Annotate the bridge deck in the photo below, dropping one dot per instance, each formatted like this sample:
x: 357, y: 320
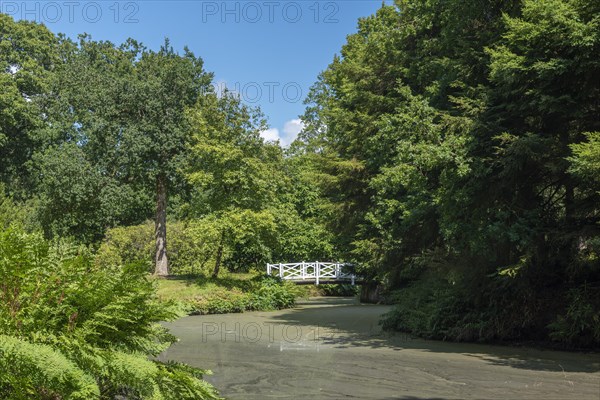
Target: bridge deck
x: 314, y: 272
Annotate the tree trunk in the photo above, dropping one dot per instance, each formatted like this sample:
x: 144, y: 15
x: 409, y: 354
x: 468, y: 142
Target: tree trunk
x: 160, y: 227
x: 215, y: 273
x: 568, y: 231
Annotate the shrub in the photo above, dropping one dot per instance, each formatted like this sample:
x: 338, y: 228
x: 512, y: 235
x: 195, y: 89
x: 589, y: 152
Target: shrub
x: 579, y: 325
x: 428, y: 310
x: 75, y: 329
x: 272, y: 294
x: 128, y: 245
x: 221, y: 296
x: 218, y: 301
x: 505, y: 308
x: 250, y: 239
x: 191, y: 246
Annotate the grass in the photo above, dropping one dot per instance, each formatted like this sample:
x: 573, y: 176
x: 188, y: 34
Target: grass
x: 184, y: 287
x: 229, y: 293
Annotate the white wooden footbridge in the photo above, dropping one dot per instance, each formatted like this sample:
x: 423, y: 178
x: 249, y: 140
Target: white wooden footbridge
x: 314, y: 272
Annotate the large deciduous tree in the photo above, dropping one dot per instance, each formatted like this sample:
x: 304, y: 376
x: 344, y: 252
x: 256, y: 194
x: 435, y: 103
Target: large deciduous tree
x: 166, y: 84
x: 126, y: 107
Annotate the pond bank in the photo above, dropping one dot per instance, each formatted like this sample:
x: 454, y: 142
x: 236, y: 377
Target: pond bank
x: 333, y: 348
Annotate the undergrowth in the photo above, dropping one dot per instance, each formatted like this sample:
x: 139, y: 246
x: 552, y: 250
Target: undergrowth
x: 234, y: 293
x: 71, y: 328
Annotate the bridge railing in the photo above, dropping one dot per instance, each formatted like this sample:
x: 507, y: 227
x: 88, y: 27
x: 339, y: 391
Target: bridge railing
x: 308, y: 271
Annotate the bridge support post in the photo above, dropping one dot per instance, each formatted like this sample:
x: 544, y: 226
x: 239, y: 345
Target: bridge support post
x: 268, y: 269
x: 317, y: 272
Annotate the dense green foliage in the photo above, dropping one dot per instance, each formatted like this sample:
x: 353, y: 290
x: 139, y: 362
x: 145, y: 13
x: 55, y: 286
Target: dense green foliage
x: 95, y: 140
x: 253, y: 239
x: 451, y: 151
x: 111, y: 130
x: 232, y: 293
x: 459, y: 140
x: 74, y: 329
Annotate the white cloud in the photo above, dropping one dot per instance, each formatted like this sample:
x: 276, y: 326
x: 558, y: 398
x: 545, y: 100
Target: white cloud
x: 291, y: 129
x: 270, y: 135
x: 290, y: 132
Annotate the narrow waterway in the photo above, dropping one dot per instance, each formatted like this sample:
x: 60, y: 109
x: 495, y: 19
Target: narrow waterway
x: 333, y: 348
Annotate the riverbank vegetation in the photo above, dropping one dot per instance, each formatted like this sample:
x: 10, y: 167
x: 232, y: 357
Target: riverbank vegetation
x: 451, y: 151
x: 459, y: 147
x: 231, y: 293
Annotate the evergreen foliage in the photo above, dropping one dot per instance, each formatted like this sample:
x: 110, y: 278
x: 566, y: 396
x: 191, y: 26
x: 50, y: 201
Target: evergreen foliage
x: 457, y: 145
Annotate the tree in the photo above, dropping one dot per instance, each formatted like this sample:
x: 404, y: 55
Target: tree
x: 166, y: 84
x: 234, y: 173
x: 389, y: 121
x: 545, y: 99
x: 28, y: 55
x: 132, y: 124
x: 451, y: 142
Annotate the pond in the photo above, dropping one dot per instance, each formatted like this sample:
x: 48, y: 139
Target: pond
x: 333, y: 348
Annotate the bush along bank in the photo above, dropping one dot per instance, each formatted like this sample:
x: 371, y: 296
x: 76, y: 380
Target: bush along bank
x: 231, y: 294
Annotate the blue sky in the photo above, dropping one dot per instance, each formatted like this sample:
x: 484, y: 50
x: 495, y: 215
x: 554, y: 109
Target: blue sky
x: 269, y: 51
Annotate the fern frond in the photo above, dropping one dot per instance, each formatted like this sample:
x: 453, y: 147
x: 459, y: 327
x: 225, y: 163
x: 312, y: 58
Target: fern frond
x: 37, y: 368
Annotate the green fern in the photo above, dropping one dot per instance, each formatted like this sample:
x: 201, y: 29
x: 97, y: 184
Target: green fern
x: 31, y: 371
x: 74, y: 329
